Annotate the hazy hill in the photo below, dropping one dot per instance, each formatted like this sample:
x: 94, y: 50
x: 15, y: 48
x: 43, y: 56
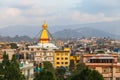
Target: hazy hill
x: 83, y: 32
x: 67, y: 34
x: 15, y: 39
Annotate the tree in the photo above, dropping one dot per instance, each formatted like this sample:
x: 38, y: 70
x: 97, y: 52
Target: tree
x: 11, y: 70
x: 59, y: 72
x: 87, y: 74
x: 72, y: 65
x: 49, y: 67
x: 15, y: 70
x: 13, y: 45
x: 47, y: 73
x: 79, y: 67
x: 44, y: 75
x: 95, y: 75
x: 5, y: 61
x: 1, y: 72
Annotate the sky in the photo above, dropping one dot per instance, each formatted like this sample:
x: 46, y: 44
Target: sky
x: 57, y: 12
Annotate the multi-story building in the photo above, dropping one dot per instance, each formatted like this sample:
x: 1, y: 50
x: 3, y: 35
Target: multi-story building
x: 44, y: 55
x: 10, y: 52
x: 106, y: 64
x: 62, y: 58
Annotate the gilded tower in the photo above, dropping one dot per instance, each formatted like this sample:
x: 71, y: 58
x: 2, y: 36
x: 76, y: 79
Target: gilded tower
x: 44, y: 38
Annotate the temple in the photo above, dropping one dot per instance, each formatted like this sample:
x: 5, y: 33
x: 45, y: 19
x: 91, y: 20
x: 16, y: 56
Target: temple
x: 44, y: 41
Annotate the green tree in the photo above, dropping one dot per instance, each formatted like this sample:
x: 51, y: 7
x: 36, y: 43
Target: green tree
x: 95, y: 75
x: 44, y: 75
x: 13, y: 45
x: 48, y: 66
x: 72, y: 65
x: 87, y: 74
x: 79, y: 67
x: 5, y: 61
x: 15, y: 70
x: 11, y: 70
x: 47, y: 73
x: 60, y: 72
x: 1, y: 72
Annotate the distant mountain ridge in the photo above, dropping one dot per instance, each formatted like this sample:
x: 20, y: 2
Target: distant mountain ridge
x: 65, y: 34
x: 83, y: 32
x: 15, y: 39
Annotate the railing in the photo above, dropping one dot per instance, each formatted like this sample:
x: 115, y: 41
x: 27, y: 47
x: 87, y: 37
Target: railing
x: 100, y: 64
x: 26, y: 65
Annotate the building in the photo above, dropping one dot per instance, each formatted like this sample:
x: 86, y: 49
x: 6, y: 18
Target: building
x: 62, y: 58
x: 1, y: 57
x: 27, y: 69
x: 44, y: 55
x: 106, y: 64
x: 44, y: 42
x: 10, y: 52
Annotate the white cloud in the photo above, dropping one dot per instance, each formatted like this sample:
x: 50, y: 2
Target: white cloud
x: 23, y: 12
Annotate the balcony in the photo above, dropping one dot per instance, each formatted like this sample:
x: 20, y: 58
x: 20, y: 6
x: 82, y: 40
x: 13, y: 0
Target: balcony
x: 100, y: 64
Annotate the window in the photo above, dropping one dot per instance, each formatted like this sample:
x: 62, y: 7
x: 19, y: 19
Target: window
x: 66, y: 62
x: 38, y: 48
x: 66, y: 58
x: 105, y: 70
x: 62, y: 58
x: 106, y: 78
x: 117, y: 69
x: 111, y: 69
x: 118, y: 78
x: 111, y: 78
x: 58, y: 63
x: 57, y: 58
x: 51, y: 54
x: 32, y: 49
x: 62, y: 62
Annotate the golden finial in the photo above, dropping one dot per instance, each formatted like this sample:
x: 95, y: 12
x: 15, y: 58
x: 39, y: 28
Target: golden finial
x: 44, y: 26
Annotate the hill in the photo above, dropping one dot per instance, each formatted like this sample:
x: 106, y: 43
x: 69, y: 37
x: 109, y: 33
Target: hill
x: 82, y: 32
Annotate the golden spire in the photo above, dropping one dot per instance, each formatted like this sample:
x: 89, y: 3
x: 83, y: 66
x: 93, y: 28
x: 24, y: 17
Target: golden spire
x: 44, y: 26
x: 44, y: 38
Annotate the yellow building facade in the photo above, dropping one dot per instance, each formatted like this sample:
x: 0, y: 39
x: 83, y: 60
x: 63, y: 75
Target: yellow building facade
x: 61, y: 58
x: 75, y: 58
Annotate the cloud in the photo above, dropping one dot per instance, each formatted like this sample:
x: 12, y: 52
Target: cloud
x: 27, y: 12
x: 22, y: 12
